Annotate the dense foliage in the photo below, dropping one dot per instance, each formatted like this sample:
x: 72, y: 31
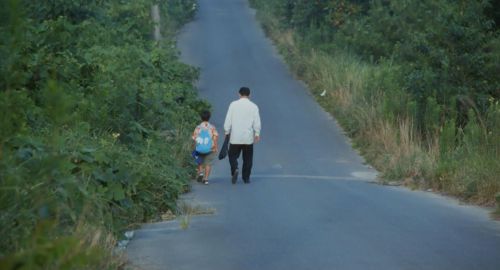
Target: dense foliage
x: 94, y: 126
x: 434, y: 64
x: 449, y: 50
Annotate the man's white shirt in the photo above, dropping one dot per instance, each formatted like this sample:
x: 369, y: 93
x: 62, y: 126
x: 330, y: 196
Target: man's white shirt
x: 242, y: 121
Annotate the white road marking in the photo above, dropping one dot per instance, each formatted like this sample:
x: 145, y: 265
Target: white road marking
x: 301, y: 176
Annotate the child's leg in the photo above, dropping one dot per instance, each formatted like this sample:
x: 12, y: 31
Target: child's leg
x: 199, y: 173
x: 208, y: 169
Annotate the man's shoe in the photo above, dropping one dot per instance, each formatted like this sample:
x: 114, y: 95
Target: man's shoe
x: 199, y: 178
x: 234, y: 177
x: 246, y: 181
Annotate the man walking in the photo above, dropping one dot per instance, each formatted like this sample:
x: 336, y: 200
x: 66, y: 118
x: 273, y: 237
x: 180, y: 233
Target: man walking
x: 243, y: 125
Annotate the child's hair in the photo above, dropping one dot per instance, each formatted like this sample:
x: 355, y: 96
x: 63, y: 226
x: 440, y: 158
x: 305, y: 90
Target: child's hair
x: 205, y: 115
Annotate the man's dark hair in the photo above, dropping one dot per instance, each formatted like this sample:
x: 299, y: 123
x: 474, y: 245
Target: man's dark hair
x: 205, y: 115
x: 244, y: 91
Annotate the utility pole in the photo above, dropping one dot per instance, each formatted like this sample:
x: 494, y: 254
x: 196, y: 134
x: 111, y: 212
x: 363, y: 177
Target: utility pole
x: 155, y: 14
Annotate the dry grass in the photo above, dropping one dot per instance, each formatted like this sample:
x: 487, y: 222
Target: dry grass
x: 185, y: 210
x: 393, y: 149
x: 95, y: 238
x: 398, y: 153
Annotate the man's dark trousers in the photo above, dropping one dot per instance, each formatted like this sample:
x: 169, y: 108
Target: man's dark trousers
x: 234, y: 154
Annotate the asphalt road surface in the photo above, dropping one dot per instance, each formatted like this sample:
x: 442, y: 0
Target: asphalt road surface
x: 312, y: 203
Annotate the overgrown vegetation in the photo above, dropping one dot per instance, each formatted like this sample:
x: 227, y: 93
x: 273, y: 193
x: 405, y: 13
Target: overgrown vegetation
x: 415, y: 83
x: 95, y: 124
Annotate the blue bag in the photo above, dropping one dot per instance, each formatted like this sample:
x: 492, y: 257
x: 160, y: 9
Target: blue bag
x: 204, y: 141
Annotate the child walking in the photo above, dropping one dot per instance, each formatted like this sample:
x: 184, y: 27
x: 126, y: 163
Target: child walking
x: 205, y: 137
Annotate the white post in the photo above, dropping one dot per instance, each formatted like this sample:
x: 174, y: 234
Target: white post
x: 155, y: 14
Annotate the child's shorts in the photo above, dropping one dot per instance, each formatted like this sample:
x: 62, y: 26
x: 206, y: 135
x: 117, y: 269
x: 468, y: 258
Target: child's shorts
x: 208, y: 158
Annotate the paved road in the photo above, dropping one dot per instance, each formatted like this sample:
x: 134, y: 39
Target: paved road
x: 311, y: 204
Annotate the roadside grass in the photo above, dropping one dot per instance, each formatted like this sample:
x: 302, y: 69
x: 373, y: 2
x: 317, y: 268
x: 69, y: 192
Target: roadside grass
x: 186, y: 210
x: 87, y: 247
x: 496, y: 213
x: 184, y: 221
x: 390, y: 145
x: 369, y: 102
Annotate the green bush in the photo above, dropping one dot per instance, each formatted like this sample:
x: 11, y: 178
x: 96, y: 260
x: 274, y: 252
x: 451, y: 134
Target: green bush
x: 497, y: 211
x: 447, y: 50
x: 96, y: 127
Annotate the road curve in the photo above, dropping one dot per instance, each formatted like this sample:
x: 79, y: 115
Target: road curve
x: 311, y: 204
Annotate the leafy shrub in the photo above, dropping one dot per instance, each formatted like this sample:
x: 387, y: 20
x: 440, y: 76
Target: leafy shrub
x: 96, y: 131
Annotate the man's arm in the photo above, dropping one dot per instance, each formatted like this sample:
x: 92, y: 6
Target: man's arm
x: 256, y: 125
x: 227, y: 122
